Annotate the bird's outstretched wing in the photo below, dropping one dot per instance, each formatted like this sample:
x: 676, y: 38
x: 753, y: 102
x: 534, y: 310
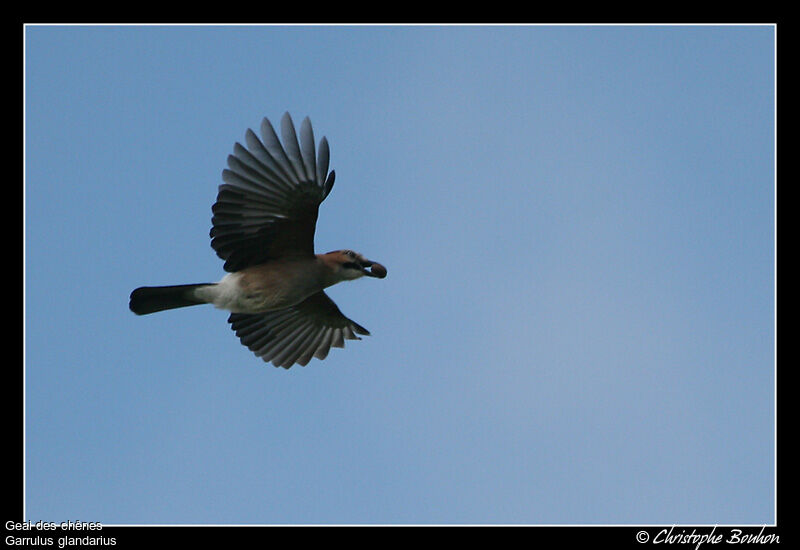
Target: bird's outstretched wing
x: 298, y: 333
x: 267, y: 207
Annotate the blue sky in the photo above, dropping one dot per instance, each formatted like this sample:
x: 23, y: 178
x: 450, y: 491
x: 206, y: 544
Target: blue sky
x: 577, y: 326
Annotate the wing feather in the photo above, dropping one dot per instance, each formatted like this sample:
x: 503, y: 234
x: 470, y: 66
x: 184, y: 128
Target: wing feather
x: 296, y: 334
x: 267, y: 206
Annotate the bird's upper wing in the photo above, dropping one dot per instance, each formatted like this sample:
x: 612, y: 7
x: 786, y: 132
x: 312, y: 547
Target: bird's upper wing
x: 297, y: 333
x: 267, y: 207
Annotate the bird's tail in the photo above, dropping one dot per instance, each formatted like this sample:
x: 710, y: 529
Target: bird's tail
x: 150, y: 299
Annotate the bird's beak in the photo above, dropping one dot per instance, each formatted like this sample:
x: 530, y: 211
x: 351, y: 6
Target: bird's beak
x: 373, y: 269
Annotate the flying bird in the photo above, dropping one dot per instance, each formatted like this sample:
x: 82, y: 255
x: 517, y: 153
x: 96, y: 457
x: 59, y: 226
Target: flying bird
x: 263, y: 226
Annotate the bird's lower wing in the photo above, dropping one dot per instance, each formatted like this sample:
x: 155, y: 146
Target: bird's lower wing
x: 298, y: 333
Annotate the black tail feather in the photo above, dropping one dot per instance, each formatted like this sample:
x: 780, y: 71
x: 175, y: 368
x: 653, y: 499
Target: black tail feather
x: 150, y: 299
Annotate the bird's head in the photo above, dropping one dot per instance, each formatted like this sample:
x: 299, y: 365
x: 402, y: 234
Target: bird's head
x: 347, y: 265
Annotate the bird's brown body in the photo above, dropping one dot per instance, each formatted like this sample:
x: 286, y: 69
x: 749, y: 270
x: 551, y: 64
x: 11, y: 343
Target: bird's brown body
x: 283, y: 283
x: 277, y: 284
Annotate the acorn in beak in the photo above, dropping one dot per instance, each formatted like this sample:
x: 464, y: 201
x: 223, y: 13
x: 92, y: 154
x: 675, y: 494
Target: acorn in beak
x: 373, y: 269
